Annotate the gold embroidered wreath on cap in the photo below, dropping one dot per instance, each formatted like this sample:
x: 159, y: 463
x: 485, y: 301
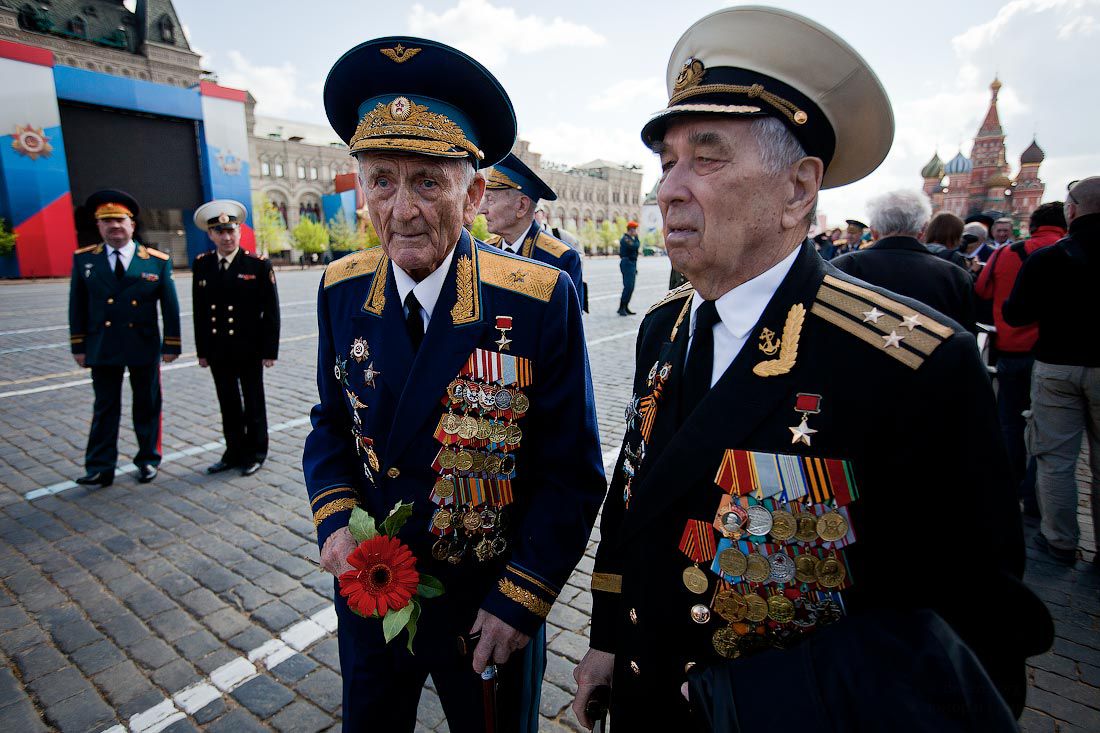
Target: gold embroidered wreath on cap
x: 497, y: 179
x: 406, y: 125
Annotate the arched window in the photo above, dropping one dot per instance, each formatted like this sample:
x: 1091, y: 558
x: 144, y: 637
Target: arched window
x: 78, y: 27
x: 167, y: 29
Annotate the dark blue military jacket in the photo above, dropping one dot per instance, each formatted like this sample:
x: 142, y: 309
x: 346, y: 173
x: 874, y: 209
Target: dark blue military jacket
x: 542, y: 247
x: 382, y: 434
x: 114, y: 322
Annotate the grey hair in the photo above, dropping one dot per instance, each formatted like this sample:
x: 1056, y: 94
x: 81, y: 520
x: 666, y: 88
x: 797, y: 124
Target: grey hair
x: 900, y: 212
x: 779, y: 150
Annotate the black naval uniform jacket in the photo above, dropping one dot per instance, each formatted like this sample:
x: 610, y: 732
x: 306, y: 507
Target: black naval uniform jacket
x: 114, y: 322
x: 236, y: 313
x: 936, y: 522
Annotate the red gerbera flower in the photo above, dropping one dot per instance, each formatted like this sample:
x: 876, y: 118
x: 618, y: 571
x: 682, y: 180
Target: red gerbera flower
x: 384, y: 578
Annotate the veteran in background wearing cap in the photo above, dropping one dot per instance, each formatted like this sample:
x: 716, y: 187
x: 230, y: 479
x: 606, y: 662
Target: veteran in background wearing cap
x: 512, y: 193
x: 116, y: 286
x: 771, y: 536
x: 453, y: 377
x: 236, y: 310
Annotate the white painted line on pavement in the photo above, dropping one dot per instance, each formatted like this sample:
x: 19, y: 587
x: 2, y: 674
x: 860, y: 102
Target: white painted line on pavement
x: 174, y: 456
x: 156, y: 718
x: 194, y: 698
x: 594, y: 342
x: 609, y: 296
x: 232, y: 675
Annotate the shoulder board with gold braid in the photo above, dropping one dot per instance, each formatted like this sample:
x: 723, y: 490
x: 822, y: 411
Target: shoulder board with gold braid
x: 353, y: 265
x: 892, y: 327
x: 549, y: 244
x: 493, y: 239
x: 684, y: 290
x: 97, y: 248
x: 200, y: 255
x: 519, y: 275
x: 156, y: 253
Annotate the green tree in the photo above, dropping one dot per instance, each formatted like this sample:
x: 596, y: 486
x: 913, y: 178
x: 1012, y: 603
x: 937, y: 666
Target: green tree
x: 589, y: 237
x: 480, y: 227
x: 342, y: 236
x: 7, y: 239
x: 309, y: 236
x: 268, y: 226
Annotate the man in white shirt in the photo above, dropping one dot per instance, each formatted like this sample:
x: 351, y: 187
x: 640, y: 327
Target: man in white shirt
x: 778, y: 433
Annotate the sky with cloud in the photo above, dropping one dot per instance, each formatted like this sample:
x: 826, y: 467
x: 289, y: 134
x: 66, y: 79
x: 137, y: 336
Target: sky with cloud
x: 584, y: 76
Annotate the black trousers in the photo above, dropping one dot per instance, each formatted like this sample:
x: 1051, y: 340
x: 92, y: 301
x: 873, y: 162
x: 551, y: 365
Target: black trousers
x: 102, y: 452
x: 1013, y: 397
x: 240, y: 388
x: 629, y: 269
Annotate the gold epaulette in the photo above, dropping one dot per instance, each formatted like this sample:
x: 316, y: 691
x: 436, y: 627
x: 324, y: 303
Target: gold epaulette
x: 200, y: 255
x: 685, y: 289
x: 146, y: 252
x: 493, y: 239
x: 533, y: 279
x: 549, y: 244
x: 95, y: 248
x: 353, y: 265
x: 899, y: 331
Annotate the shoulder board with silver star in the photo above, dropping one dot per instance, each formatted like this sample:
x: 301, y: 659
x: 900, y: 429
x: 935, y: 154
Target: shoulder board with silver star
x: 684, y: 290
x: 95, y: 248
x: 549, y: 244
x: 156, y: 253
x: 896, y: 329
x: 519, y: 275
x: 353, y: 265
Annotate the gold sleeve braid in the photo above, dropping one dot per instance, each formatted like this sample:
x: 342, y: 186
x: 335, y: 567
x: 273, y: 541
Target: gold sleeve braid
x: 340, y: 505
x: 525, y: 598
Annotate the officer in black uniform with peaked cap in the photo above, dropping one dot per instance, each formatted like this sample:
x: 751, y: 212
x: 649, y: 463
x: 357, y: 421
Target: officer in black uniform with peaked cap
x: 780, y: 532
x: 236, y: 310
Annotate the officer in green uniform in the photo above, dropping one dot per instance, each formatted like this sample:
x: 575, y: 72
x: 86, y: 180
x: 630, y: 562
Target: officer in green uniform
x: 783, y: 548
x: 113, y: 298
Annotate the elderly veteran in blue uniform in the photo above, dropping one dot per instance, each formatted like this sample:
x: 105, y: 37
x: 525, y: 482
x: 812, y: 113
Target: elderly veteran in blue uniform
x: 512, y: 194
x: 780, y: 533
x: 116, y: 286
x: 452, y: 376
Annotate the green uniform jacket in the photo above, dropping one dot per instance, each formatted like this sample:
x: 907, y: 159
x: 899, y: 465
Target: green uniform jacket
x: 114, y: 322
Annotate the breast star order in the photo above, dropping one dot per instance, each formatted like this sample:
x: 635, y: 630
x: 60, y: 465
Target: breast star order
x: 802, y: 433
x: 911, y: 322
x: 894, y: 339
x: 872, y: 315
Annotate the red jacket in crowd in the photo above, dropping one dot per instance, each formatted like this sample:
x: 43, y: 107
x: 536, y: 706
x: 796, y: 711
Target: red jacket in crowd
x: 996, y: 281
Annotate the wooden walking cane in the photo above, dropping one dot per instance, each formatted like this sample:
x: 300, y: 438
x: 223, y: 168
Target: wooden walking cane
x: 466, y: 645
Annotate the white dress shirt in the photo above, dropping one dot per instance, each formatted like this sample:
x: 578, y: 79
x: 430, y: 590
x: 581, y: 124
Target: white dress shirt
x: 427, y: 290
x: 515, y: 247
x: 125, y: 252
x: 228, y: 259
x: 740, y: 309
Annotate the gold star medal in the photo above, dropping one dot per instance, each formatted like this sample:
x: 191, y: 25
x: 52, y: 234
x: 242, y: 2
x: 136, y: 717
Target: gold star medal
x: 806, y: 404
x: 504, y: 325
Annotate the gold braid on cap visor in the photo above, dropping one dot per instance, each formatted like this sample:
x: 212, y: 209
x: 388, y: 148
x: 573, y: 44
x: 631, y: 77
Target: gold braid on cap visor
x: 498, y: 180
x: 755, y: 91
x: 412, y: 128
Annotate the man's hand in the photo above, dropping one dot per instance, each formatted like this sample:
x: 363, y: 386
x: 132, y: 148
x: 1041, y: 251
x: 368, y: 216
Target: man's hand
x: 269, y: 363
x: 498, y: 640
x: 169, y: 358
x: 203, y: 363
x: 79, y: 359
x: 594, y: 670
x: 334, y: 555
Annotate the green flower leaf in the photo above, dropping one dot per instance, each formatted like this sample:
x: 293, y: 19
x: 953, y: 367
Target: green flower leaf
x: 394, y: 621
x: 396, y: 520
x: 429, y: 587
x: 411, y: 626
x: 362, y: 525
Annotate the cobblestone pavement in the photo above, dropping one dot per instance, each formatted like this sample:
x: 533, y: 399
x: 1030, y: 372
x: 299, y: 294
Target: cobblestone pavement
x: 195, y: 602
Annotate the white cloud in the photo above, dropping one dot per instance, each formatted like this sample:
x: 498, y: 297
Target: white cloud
x: 573, y: 144
x: 276, y: 88
x: 649, y: 92
x: 492, y: 33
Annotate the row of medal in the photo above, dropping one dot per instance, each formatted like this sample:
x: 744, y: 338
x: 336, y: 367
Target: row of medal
x: 478, y: 434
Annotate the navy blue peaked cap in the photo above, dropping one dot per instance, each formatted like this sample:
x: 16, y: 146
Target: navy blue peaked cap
x: 513, y: 173
x: 413, y: 95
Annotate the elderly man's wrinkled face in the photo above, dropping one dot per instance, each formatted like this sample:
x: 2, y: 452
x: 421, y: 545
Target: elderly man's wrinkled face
x: 722, y: 211
x: 1002, y: 230
x: 417, y: 205
x: 501, y: 208
x: 116, y: 231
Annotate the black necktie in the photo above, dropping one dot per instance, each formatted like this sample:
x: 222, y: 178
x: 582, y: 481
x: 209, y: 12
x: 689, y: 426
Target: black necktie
x: 414, y: 324
x: 225, y: 264
x: 120, y: 271
x: 700, y: 361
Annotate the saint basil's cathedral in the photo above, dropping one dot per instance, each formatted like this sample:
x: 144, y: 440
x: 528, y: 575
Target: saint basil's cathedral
x: 981, y: 183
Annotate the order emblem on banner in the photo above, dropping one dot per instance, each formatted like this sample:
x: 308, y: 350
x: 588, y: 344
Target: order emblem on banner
x: 31, y: 141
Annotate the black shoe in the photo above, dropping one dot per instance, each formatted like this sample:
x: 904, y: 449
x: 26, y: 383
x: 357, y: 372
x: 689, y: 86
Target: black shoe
x: 98, y: 478
x: 219, y: 467
x: 629, y: 312
x: 251, y: 468
x: 1066, y: 557
x: 146, y: 474
x: 622, y: 311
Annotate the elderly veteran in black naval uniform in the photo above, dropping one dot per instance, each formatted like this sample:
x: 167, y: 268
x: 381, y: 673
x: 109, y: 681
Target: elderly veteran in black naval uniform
x: 779, y: 531
x: 452, y: 376
x: 236, y: 310
x: 116, y: 286
x: 512, y: 193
